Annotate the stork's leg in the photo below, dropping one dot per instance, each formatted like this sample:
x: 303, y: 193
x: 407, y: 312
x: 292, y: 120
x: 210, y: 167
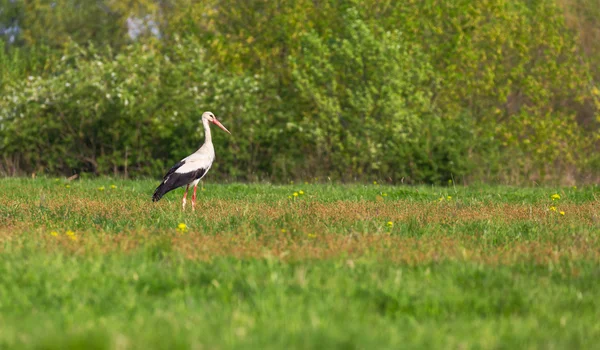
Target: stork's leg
x: 194, y: 198
x: 185, y: 196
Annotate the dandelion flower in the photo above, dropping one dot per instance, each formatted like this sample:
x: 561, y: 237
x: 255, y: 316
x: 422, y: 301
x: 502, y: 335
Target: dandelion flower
x: 54, y: 234
x: 67, y: 186
x: 384, y: 194
x: 300, y: 192
x: 555, y: 196
x: 101, y: 188
x: 113, y: 186
x: 562, y: 213
x: 441, y: 199
x: 306, y: 182
x: 374, y: 182
x: 553, y: 208
x: 295, y: 194
x: 390, y: 224
x: 71, y: 235
x: 449, y: 198
x: 283, y: 230
x: 290, y: 197
x: 312, y: 235
x: 182, y: 228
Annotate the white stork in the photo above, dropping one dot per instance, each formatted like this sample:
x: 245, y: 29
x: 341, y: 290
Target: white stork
x: 191, y: 169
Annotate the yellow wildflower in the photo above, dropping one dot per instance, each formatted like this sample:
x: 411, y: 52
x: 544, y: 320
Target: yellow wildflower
x: 441, y: 199
x: 101, y: 188
x: 449, y: 198
x: 295, y: 194
x: 306, y: 182
x: 290, y: 197
x: 182, y: 228
x: 300, y: 192
x: 384, y: 194
x: 562, y: 213
x: 312, y: 235
x: 71, y: 235
x: 54, y: 233
x: 283, y: 230
x: 67, y: 186
x: 374, y: 182
x: 553, y: 208
x: 113, y: 186
x: 555, y: 196
x: 390, y: 224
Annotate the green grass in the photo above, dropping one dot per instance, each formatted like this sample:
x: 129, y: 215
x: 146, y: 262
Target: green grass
x: 492, y: 267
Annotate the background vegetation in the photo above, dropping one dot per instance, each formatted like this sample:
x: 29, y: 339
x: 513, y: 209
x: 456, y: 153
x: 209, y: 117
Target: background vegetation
x: 413, y: 91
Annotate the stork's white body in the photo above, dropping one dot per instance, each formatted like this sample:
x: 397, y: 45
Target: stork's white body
x: 201, y: 159
x: 191, y: 169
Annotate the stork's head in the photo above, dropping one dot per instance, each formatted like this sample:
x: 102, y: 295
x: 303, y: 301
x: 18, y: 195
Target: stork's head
x: 210, y: 117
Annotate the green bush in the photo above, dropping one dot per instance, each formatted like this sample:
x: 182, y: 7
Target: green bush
x: 367, y: 107
x: 513, y: 67
x: 133, y: 114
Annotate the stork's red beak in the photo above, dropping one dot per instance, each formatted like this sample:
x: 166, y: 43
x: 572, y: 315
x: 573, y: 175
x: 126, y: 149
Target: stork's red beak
x: 218, y: 123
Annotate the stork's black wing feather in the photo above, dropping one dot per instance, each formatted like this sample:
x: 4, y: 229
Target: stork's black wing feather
x: 175, y: 180
x: 173, y: 169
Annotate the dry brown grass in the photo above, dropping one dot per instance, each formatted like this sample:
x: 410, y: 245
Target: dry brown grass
x: 313, y: 230
x: 300, y: 246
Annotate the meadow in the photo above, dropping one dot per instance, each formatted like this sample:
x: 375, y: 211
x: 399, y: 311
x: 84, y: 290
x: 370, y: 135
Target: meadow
x: 94, y: 264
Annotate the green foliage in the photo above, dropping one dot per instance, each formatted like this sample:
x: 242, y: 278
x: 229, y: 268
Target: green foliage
x: 510, y: 66
x: 367, y: 105
x: 55, y: 23
x: 130, y: 113
x: 418, y: 90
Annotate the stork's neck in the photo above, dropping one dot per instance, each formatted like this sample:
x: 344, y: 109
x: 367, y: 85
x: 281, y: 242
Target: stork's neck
x: 207, y: 136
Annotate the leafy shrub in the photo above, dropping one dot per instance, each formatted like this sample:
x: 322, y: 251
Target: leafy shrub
x: 133, y: 114
x: 367, y: 106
